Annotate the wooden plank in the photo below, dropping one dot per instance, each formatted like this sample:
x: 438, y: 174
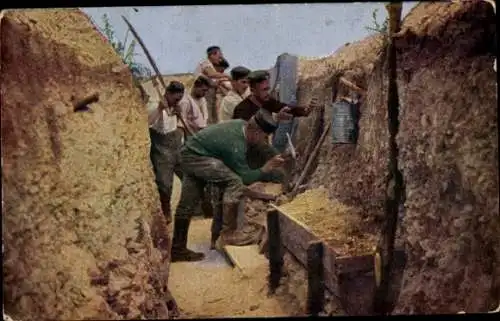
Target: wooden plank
x: 330, y: 266
x: 348, y: 277
x: 315, y: 279
x: 245, y: 258
x: 296, y: 238
x: 275, y: 250
x: 347, y: 264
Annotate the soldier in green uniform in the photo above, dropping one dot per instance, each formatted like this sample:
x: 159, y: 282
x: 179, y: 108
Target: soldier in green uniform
x: 218, y: 155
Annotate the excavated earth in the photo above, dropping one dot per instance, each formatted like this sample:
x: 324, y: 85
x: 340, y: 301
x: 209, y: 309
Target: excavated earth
x: 448, y: 150
x: 82, y: 232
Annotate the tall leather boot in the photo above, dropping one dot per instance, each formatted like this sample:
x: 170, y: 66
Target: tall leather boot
x: 230, y: 235
x: 216, y: 225
x: 165, y: 206
x: 180, y: 252
x: 206, y: 204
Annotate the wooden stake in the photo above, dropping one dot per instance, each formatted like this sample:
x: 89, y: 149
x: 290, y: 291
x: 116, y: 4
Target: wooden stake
x: 275, y: 250
x: 310, y: 160
x: 82, y: 104
x: 315, y: 279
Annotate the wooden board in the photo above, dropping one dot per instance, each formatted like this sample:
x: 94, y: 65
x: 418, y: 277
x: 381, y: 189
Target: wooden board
x: 296, y: 238
x: 245, y: 258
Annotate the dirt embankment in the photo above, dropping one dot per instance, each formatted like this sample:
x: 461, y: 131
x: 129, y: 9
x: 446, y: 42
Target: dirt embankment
x: 449, y: 157
x: 354, y: 175
x: 448, y: 150
x: 80, y: 218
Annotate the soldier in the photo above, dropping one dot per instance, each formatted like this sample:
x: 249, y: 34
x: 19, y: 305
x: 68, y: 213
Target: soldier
x: 239, y: 91
x: 208, y: 67
x: 166, y: 141
x: 217, y: 155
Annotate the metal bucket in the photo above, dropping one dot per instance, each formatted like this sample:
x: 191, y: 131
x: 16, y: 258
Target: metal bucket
x: 344, y: 124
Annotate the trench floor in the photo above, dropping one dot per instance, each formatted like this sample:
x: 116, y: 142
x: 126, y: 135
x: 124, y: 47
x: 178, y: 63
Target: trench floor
x: 212, y: 287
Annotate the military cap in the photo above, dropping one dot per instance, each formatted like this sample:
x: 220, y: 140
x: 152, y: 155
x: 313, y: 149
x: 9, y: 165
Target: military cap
x: 175, y: 87
x: 265, y: 121
x: 239, y: 72
x: 258, y: 76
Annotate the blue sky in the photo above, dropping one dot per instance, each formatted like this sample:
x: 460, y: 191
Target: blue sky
x: 250, y: 35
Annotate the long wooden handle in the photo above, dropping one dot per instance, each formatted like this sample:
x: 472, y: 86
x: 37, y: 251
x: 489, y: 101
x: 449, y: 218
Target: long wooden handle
x: 157, y: 71
x: 311, y: 158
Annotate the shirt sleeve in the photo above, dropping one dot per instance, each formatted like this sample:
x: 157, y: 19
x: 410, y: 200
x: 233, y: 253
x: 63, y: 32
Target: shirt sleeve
x: 227, y: 107
x: 248, y: 175
x: 186, y: 111
x: 206, y: 65
x: 240, y: 111
x: 204, y: 112
x: 154, y: 113
x: 273, y: 105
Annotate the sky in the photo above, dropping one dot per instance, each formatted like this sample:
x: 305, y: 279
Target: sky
x: 249, y: 35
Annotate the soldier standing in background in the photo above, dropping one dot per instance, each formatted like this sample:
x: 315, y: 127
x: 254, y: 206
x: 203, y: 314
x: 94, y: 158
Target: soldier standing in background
x: 194, y: 110
x: 208, y: 68
x: 239, y: 91
x: 166, y: 142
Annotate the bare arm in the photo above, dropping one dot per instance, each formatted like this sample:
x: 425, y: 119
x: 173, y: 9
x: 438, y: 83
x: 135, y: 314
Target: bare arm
x: 212, y: 73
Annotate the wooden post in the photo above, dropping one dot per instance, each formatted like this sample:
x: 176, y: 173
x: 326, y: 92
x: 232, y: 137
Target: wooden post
x: 315, y: 278
x: 275, y: 250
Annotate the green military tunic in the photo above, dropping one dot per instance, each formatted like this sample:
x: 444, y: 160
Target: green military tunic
x: 218, y: 155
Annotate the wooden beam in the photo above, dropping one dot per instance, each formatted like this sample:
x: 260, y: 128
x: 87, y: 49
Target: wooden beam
x: 315, y: 279
x: 275, y: 250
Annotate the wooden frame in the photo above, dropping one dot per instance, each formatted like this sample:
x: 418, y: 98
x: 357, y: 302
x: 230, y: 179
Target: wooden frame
x: 350, y: 278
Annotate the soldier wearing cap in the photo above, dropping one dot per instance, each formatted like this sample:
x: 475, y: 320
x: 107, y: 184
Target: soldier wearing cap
x: 261, y: 98
x: 239, y: 91
x: 217, y: 155
x: 166, y: 140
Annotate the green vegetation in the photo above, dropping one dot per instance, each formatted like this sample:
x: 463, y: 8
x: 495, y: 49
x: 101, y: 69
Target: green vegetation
x: 376, y: 26
x: 126, y: 51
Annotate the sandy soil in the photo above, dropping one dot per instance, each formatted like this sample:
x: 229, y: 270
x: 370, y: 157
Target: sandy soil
x: 212, y: 288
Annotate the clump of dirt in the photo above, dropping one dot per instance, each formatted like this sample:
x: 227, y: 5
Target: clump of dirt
x: 82, y: 232
x: 337, y: 224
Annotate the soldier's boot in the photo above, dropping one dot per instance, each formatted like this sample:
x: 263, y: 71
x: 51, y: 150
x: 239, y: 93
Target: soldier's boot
x: 230, y: 235
x: 217, y: 219
x: 180, y: 252
x: 165, y: 207
x: 206, y: 207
